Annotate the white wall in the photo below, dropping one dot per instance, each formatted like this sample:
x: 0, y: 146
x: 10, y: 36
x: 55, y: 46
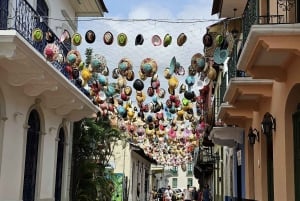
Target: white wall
x: 182, y: 178
x: 134, y: 167
x: 17, y: 107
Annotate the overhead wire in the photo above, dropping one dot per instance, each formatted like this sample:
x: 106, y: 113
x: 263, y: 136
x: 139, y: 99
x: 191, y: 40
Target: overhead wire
x: 180, y: 21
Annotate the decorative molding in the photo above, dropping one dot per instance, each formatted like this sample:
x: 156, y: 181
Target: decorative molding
x: 16, y: 114
x: 26, y: 126
x: 52, y: 128
x: 42, y: 133
x: 37, y: 89
x: 67, y: 108
x: 57, y: 101
x: 37, y: 101
x: 19, y: 79
x: 4, y: 118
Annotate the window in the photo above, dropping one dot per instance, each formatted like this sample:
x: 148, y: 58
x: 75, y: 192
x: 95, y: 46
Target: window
x: 189, y: 169
x: 174, y: 183
x: 190, y: 181
x: 174, y: 170
x: 31, y: 157
x: 59, y: 165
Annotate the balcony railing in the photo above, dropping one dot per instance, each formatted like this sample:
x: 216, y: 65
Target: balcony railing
x: 24, y: 18
x: 285, y: 13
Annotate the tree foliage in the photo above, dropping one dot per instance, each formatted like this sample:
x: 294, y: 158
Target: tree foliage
x: 93, y: 144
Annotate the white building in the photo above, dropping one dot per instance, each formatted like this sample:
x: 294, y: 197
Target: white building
x: 176, y: 177
x: 38, y: 104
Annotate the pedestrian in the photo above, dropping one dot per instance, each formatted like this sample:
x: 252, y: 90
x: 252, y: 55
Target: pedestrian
x: 206, y: 193
x: 187, y: 194
x: 195, y: 194
x: 199, y: 195
x: 168, y: 194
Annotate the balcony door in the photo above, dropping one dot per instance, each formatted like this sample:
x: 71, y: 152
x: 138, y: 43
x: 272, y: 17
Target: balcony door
x: 296, y: 125
x: 270, y: 168
x: 59, y: 164
x: 43, y: 10
x: 31, y: 157
x: 298, y: 11
x: 3, y: 14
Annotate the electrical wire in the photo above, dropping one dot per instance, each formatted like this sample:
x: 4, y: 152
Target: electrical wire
x: 179, y: 21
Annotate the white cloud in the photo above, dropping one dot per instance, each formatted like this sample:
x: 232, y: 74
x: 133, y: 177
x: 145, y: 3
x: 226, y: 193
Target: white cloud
x: 150, y: 11
x: 114, y: 53
x: 196, y: 10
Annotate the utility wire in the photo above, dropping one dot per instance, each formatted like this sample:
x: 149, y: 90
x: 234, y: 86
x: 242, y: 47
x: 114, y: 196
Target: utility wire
x: 177, y: 21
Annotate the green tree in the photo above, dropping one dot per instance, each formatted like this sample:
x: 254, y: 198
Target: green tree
x: 93, y: 144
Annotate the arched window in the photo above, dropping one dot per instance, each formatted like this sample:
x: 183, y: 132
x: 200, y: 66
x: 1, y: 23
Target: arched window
x: 31, y: 157
x: 59, y: 164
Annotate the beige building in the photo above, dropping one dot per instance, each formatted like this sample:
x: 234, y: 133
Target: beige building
x: 262, y: 97
x: 131, y: 162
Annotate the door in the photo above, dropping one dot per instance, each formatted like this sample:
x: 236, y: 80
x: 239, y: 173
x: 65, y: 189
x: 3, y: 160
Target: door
x: 3, y: 14
x: 270, y: 168
x: 59, y: 165
x: 31, y: 157
x: 43, y: 10
x: 296, y: 126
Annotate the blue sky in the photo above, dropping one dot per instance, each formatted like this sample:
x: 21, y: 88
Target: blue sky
x: 116, y: 21
x: 125, y: 17
x: 170, y: 9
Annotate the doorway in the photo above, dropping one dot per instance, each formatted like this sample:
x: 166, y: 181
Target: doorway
x: 31, y: 157
x: 296, y: 133
x: 59, y: 164
x: 270, y: 168
x: 3, y: 14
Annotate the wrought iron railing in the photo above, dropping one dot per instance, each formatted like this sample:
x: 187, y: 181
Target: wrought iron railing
x: 285, y: 13
x: 24, y: 18
x: 250, y: 17
x: 223, y: 88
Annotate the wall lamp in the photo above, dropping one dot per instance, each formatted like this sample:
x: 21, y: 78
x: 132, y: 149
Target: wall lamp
x: 268, y: 124
x: 253, y: 135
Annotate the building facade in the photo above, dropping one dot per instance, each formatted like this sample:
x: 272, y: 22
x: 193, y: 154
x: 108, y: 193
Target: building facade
x: 261, y: 98
x: 135, y: 167
x: 38, y: 103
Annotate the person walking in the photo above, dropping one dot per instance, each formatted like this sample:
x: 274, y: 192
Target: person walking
x: 187, y: 194
x: 206, y: 193
x: 199, y: 195
x: 195, y: 194
x: 168, y: 194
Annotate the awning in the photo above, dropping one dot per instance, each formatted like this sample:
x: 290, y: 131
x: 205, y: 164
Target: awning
x: 227, y: 136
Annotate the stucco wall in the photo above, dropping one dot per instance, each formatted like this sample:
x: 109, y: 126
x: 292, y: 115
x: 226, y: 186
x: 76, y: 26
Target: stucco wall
x: 17, y: 108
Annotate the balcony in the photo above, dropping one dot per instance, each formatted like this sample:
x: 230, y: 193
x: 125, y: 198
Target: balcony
x: 262, y: 19
x: 205, y: 162
x: 270, y: 39
x: 88, y: 8
x: 22, y: 64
